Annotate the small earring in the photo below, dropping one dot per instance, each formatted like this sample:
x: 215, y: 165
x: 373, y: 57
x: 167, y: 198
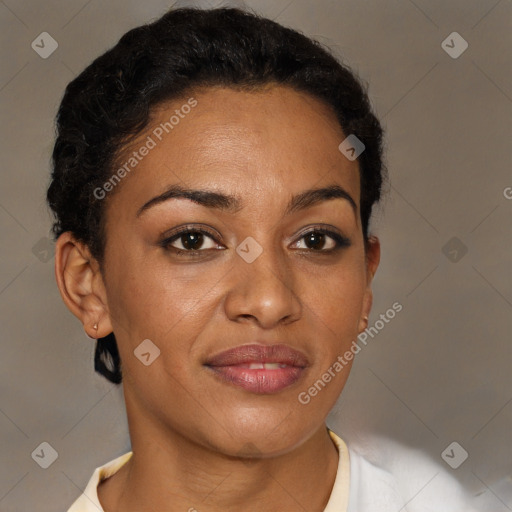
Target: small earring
x: 95, y: 327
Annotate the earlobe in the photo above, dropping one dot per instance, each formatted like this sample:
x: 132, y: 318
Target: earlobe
x: 372, y: 263
x: 77, y: 278
x: 363, y: 323
x: 95, y: 327
x: 372, y: 257
x: 367, y: 306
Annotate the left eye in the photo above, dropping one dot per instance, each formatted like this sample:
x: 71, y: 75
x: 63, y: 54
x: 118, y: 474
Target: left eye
x: 317, y: 240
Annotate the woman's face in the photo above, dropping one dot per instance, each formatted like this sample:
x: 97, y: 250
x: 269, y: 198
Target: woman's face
x: 253, y: 274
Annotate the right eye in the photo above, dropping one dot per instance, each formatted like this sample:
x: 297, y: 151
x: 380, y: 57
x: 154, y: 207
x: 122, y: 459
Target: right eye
x: 190, y: 241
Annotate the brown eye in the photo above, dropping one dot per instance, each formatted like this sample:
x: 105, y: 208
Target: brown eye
x: 323, y: 240
x: 315, y: 240
x: 190, y: 240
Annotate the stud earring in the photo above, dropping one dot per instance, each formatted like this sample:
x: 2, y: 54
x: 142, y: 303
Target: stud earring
x: 95, y: 327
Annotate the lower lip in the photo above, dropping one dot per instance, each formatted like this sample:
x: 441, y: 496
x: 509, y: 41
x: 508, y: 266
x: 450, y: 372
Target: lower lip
x: 260, y: 381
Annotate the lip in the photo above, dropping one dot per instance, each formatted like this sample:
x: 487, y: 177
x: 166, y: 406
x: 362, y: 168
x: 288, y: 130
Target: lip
x: 233, y: 366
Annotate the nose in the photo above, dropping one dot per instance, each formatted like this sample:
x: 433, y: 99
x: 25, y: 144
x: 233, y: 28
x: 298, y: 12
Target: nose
x: 263, y: 291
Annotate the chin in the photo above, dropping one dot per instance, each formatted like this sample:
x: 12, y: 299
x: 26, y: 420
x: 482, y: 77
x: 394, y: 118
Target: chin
x: 257, y: 433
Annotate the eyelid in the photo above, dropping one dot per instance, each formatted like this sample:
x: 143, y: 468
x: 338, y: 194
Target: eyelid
x: 322, y: 228
x: 189, y: 228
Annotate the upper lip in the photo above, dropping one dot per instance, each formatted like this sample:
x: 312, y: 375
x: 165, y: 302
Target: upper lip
x: 255, y: 353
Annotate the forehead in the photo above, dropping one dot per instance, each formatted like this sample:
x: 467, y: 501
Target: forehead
x: 269, y: 141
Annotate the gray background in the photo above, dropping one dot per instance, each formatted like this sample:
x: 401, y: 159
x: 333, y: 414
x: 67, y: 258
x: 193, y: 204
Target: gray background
x: 439, y: 372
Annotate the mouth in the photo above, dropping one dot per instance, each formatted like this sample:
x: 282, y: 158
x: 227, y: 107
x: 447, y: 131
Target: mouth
x: 260, y: 369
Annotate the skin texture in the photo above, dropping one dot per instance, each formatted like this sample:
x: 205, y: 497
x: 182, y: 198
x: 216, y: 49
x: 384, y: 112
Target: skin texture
x: 193, y: 435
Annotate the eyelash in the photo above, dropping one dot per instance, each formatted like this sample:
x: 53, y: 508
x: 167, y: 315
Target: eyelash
x: 340, y: 240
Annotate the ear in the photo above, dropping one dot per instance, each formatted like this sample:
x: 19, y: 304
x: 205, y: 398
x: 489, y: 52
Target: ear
x: 372, y: 256
x: 81, y: 285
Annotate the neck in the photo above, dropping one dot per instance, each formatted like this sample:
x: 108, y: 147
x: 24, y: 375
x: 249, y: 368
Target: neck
x: 169, y: 472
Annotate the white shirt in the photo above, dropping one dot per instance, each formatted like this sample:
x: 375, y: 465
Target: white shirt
x: 409, y: 483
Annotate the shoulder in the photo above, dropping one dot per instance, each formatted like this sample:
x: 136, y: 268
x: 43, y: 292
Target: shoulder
x: 88, y: 501
x: 386, y: 475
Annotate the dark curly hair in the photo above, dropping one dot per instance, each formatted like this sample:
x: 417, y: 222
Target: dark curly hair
x: 111, y: 101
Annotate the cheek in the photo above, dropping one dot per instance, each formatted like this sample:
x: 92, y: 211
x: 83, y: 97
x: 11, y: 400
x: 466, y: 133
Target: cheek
x: 151, y: 295
x: 336, y: 296
x: 169, y: 309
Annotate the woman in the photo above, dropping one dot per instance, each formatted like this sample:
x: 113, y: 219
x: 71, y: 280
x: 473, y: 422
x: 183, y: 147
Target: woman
x: 214, y: 178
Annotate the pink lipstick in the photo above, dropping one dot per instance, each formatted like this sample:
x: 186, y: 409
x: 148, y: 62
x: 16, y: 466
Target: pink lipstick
x: 261, y: 369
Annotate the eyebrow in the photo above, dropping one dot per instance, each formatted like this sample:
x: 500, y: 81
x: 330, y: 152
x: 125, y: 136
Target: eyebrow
x: 232, y: 204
